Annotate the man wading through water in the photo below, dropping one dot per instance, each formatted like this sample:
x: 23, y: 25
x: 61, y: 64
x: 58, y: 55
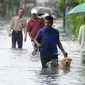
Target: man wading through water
x: 33, y: 25
x: 17, y: 25
x: 49, y: 40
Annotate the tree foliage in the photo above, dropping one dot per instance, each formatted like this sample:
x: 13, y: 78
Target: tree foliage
x: 73, y: 22
x: 7, y: 5
x: 62, y: 4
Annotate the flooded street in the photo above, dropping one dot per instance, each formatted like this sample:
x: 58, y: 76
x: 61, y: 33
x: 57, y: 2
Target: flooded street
x: 19, y: 67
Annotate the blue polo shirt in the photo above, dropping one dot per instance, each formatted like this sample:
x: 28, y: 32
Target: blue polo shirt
x: 49, y: 40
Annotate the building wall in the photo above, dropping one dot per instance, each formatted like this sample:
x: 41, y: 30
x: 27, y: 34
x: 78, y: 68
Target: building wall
x: 27, y: 5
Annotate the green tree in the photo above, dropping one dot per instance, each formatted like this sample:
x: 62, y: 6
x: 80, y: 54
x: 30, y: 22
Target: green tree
x: 8, y: 7
x: 61, y: 6
x: 73, y: 22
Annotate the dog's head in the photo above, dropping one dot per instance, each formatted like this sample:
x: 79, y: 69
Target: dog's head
x: 66, y: 61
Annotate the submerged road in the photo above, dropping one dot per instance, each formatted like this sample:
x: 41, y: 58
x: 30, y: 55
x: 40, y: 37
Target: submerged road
x: 19, y: 67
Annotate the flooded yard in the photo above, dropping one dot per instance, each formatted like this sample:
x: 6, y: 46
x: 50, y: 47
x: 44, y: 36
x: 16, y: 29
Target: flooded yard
x: 19, y: 67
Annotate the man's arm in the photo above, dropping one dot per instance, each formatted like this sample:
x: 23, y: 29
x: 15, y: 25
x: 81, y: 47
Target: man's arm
x: 37, y: 38
x: 80, y: 35
x: 25, y: 24
x: 60, y: 45
x: 62, y: 49
x: 27, y: 30
x: 11, y: 27
x: 36, y: 42
x: 25, y: 33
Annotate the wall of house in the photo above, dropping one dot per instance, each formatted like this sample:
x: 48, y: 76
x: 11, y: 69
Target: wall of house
x: 29, y: 4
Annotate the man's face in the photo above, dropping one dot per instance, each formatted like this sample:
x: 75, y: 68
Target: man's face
x: 20, y: 12
x: 48, y: 24
x: 34, y: 16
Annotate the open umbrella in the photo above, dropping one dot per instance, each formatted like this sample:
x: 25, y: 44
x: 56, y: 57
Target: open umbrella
x: 78, y: 10
x: 43, y: 10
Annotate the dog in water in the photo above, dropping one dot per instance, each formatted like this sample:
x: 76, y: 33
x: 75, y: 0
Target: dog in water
x: 66, y: 61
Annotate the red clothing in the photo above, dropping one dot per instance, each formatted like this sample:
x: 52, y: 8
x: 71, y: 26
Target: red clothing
x: 34, y: 25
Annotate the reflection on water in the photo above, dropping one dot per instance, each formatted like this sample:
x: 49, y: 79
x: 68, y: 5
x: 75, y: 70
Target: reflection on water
x: 49, y: 71
x: 19, y: 67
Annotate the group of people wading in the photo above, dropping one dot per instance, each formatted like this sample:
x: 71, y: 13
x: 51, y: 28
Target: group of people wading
x: 42, y: 34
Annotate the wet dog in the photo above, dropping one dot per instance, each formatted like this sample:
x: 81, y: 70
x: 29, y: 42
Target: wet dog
x: 66, y: 61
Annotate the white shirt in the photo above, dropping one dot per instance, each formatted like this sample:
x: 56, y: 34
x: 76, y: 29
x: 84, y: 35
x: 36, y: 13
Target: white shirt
x: 81, y: 37
x: 18, y: 24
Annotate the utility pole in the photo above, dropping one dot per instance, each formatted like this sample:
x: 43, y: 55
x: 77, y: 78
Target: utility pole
x: 65, y: 11
x: 34, y: 2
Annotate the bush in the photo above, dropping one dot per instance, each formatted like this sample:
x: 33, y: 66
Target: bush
x: 74, y: 23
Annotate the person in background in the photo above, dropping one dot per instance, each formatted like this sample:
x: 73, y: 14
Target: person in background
x: 17, y: 25
x: 44, y: 15
x: 33, y: 25
x: 81, y: 40
x: 49, y: 40
x: 40, y: 15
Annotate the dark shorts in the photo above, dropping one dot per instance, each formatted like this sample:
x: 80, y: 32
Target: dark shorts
x: 17, y: 38
x: 45, y: 59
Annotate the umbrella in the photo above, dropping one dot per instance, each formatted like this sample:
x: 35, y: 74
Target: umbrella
x: 43, y: 10
x: 78, y: 10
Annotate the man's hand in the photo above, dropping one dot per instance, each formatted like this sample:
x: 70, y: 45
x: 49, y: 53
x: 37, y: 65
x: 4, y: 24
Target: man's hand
x: 65, y: 54
x: 9, y: 34
x: 38, y: 45
x: 25, y: 38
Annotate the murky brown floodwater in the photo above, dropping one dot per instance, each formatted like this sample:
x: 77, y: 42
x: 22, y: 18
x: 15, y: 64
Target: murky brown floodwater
x: 19, y: 67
